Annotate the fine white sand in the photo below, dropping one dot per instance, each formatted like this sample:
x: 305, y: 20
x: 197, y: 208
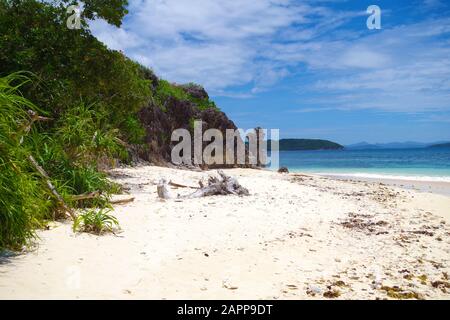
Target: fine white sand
x: 296, y: 236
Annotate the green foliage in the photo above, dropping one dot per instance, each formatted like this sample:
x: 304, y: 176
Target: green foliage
x: 166, y: 90
x: 69, y: 153
x: 68, y: 64
x: 93, y: 95
x: 23, y: 204
x: 204, y: 104
x: 88, y: 90
x: 23, y: 201
x: 133, y: 130
x: 95, y: 221
x: 83, y: 179
x: 201, y: 98
x: 112, y: 11
x: 71, y: 176
x: 86, y: 135
x: 148, y: 74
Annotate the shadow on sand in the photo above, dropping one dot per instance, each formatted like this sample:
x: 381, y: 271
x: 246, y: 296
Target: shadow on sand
x: 6, y: 256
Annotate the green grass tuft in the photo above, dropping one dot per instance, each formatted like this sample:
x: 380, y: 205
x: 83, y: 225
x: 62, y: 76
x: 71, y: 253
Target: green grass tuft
x: 95, y: 221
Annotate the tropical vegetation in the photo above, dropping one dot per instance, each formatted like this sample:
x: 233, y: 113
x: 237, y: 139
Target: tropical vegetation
x: 69, y: 108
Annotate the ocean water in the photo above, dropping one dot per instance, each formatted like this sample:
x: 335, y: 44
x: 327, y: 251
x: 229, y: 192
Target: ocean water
x: 428, y: 164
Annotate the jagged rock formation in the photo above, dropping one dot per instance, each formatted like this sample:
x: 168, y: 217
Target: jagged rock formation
x: 165, y: 114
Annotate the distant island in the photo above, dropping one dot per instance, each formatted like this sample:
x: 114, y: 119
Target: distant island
x: 306, y: 144
x: 395, y: 145
x: 318, y: 144
x: 440, y: 145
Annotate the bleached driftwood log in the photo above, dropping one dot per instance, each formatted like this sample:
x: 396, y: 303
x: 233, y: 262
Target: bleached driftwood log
x: 221, y: 185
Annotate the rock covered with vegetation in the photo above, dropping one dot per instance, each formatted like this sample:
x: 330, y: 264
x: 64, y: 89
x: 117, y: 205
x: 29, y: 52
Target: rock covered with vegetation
x: 173, y: 107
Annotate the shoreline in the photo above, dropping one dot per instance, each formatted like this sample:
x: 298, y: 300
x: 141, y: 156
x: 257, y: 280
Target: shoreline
x: 296, y: 236
x: 437, y: 187
x: 421, y: 183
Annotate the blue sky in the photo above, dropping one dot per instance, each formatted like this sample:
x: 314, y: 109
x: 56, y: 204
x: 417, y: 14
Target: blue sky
x: 310, y: 68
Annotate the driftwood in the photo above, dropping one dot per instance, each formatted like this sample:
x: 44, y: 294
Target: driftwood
x: 96, y: 194
x: 222, y: 185
x: 122, y: 200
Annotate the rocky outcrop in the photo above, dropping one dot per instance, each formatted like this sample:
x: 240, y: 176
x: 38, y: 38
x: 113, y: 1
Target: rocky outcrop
x: 195, y: 91
x: 283, y: 170
x: 159, y: 123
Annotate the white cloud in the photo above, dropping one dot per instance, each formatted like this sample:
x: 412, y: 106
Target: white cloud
x: 363, y: 57
x: 115, y: 38
x: 409, y: 70
x: 219, y: 44
x: 230, y: 43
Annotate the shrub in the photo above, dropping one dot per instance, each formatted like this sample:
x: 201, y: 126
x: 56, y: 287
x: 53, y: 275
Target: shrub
x: 69, y: 64
x: 24, y: 203
x: 95, y: 221
x: 133, y: 130
x: 87, y: 135
x: 166, y: 90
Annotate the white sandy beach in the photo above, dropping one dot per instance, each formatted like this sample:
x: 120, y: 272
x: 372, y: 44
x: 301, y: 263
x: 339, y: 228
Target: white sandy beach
x: 295, y: 237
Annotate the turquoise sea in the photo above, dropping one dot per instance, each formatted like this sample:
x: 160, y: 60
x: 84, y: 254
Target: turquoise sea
x: 426, y: 164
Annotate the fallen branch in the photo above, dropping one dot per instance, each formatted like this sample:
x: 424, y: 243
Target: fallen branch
x: 86, y: 196
x: 26, y: 128
x: 121, y: 142
x: 52, y: 188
